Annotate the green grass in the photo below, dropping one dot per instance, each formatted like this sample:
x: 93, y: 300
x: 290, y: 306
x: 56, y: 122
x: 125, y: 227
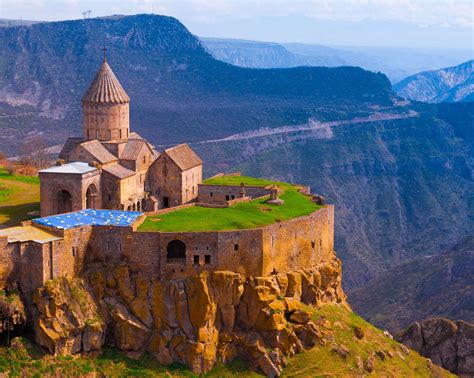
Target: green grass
x: 28, y: 360
x: 322, y: 361
x: 19, y: 195
x: 237, y: 180
x: 240, y: 216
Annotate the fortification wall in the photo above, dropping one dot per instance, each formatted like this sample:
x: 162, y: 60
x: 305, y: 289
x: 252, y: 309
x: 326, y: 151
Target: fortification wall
x: 281, y: 247
x: 299, y: 242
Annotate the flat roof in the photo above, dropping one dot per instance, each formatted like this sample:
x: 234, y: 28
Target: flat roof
x: 77, y: 167
x: 28, y: 233
x: 90, y: 217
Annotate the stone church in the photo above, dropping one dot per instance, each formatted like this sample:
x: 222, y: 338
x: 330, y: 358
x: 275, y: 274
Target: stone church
x: 113, y: 168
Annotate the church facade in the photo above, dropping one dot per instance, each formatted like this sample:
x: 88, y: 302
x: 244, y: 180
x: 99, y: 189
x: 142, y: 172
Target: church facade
x: 113, y: 168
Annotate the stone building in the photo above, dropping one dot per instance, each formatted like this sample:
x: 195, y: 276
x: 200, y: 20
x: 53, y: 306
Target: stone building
x: 113, y: 168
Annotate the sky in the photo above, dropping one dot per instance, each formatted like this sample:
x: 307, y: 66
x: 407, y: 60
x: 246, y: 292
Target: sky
x: 390, y: 23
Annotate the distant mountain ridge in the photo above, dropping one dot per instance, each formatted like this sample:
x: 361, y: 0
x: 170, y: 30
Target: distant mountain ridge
x: 396, y: 63
x: 452, y: 84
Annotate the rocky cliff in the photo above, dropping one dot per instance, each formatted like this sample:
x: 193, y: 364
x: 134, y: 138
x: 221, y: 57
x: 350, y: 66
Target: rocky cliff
x: 448, y: 344
x: 197, y: 321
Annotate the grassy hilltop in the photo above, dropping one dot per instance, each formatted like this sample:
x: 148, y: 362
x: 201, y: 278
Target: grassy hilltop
x: 19, y: 195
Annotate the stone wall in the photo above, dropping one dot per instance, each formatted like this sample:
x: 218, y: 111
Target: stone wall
x: 9, y: 263
x: 190, y: 180
x: 299, y: 242
x: 220, y: 194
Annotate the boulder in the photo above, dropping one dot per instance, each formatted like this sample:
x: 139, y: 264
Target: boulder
x: 300, y: 317
x: 446, y: 343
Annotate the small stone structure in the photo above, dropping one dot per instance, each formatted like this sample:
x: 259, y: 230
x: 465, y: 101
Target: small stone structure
x: 274, y: 199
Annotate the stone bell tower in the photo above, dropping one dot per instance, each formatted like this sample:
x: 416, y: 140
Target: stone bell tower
x: 105, y: 107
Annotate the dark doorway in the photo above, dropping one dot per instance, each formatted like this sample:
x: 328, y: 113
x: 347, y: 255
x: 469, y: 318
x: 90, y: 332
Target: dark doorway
x: 64, y: 202
x: 91, y: 197
x: 166, y: 202
x: 176, y: 251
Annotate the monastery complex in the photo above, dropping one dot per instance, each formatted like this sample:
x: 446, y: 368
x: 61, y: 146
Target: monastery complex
x: 112, y: 197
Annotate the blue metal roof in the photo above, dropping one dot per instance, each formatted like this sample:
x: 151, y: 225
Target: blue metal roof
x: 90, y: 217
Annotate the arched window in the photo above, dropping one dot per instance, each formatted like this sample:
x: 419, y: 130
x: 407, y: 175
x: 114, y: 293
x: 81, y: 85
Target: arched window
x: 64, y: 202
x: 176, y: 251
x: 91, y: 197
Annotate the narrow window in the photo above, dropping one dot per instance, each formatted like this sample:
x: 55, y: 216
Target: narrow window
x: 110, y: 197
x: 196, y: 248
x: 313, y: 244
x: 73, y: 252
x: 196, y: 259
x: 233, y: 197
x: 144, y: 159
x: 211, y: 194
x: 207, y: 259
x: 236, y: 247
x: 321, y: 243
x: 227, y: 198
x: 207, y: 248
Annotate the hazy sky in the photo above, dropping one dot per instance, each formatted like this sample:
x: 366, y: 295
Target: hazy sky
x: 411, y: 23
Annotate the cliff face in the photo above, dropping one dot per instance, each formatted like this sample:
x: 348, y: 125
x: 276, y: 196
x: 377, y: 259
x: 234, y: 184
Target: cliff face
x: 197, y: 321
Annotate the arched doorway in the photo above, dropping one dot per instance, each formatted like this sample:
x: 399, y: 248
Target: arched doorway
x: 91, y: 197
x: 139, y: 206
x: 64, y: 202
x: 176, y: 252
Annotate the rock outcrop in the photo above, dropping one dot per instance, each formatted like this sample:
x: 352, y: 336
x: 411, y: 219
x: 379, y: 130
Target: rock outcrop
x: 197, y: 321
x: 12, y: 311
x: 447, y: 343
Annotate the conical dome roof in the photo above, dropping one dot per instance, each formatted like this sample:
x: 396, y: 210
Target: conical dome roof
x: 105, y: 88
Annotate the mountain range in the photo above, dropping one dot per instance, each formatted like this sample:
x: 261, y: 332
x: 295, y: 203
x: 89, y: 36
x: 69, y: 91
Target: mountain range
x: 400, y: 174
x: 396, y: 62
x: 452, y: 84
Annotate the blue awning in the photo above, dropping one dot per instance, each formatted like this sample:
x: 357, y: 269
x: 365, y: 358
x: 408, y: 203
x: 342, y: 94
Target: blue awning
x: 90, y: 217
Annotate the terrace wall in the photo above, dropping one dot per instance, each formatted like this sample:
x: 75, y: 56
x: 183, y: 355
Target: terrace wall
x: 220, y: 194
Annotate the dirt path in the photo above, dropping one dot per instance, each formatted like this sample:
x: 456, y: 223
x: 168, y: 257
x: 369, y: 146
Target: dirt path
x: 312, y: 125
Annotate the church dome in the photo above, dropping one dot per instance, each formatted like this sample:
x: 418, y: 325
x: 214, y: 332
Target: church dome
x: 105, y: 88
